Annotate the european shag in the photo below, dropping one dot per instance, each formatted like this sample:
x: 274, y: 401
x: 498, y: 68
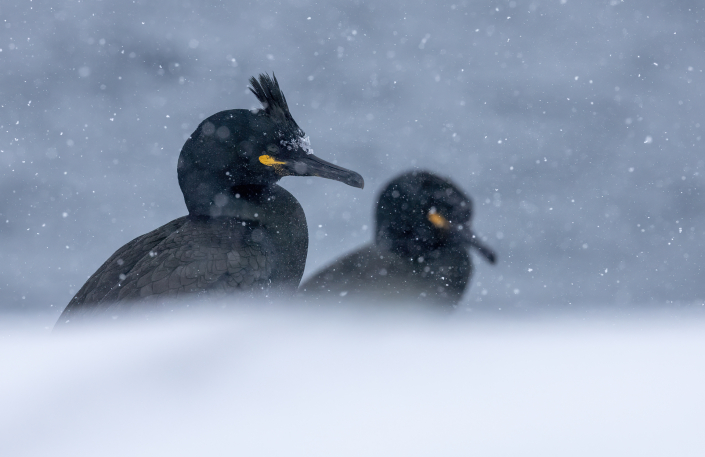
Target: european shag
x: 243, y: 232
x: 420, y: 254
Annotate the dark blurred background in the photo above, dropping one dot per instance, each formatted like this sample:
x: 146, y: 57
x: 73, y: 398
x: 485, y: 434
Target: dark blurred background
x: 576, y: 127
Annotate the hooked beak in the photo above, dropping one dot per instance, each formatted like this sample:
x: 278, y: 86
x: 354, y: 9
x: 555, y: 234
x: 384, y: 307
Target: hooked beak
x: 474, y: 241
x: 310, y: 165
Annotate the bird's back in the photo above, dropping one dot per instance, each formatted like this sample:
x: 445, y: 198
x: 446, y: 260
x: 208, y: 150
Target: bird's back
x: 114, y: 270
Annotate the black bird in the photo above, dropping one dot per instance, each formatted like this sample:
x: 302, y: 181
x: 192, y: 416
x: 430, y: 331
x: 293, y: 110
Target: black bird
x: 243, y: 231
x: 420, y: 254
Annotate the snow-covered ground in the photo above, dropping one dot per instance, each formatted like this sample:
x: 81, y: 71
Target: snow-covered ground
x: 349, y: 383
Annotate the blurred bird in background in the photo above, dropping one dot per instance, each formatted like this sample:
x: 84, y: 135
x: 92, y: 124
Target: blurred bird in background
x: 420, y: 254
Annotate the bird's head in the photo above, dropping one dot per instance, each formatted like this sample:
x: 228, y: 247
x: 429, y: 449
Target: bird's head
x: 419, y: 212
x: 250, y: 148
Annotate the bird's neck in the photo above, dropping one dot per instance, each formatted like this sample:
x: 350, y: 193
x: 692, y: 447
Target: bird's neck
x: 243, y: 202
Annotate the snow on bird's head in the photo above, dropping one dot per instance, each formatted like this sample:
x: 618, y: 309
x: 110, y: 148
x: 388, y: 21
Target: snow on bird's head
x: 298, y: 142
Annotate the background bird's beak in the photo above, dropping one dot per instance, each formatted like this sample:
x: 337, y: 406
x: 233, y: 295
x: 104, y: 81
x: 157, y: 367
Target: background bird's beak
x: 474, y: 241
x: 310, y: 165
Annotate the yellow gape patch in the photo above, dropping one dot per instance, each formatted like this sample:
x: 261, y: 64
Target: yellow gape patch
x: 270, y: 161
x: 438, y: 220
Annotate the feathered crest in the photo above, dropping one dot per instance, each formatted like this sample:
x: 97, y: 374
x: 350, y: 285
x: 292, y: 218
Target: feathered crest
x: 270, y: 95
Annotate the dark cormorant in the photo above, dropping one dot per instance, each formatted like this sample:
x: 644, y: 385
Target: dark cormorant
x: 420, y: 252
x: 243, y: 232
